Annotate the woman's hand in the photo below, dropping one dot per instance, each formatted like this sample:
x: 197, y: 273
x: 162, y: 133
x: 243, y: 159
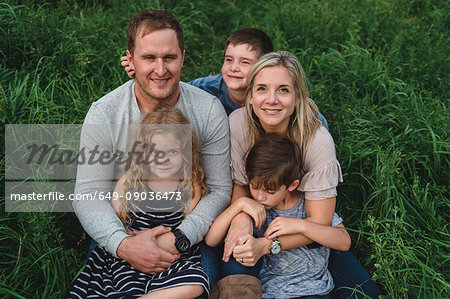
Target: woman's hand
x: 250, y: 249
x: 284, y: 226
x: 128, y: 68
x: 241, y: 225
x: 256, y: 210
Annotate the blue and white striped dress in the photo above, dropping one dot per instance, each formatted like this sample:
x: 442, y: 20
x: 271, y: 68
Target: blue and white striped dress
x: 106, y: 276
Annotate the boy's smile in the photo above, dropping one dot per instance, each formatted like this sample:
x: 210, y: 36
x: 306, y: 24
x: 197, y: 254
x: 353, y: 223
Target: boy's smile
x: 236, y: 65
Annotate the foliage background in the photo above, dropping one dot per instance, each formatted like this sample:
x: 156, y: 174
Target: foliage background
x: 378, y: 70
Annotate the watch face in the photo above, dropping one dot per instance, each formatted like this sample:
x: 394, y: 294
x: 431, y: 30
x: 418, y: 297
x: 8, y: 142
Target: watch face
x: 183, y: 245
x: 276, y: 247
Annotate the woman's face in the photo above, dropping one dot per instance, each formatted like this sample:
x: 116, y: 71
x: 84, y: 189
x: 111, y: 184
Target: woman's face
x: 273, y: 98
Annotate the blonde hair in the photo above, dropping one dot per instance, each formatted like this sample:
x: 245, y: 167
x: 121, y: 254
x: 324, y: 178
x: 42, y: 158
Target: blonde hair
x: 303, y: 122
x: 136, y: 177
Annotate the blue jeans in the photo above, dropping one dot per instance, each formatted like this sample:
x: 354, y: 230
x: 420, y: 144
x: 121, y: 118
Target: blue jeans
x: 216, y: 269
x: 316, y: 297
x: 350, y: 278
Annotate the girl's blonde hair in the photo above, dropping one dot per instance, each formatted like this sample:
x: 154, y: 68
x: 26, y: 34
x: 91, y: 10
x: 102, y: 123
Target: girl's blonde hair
x: 303, y: 122
x: 137, y: 176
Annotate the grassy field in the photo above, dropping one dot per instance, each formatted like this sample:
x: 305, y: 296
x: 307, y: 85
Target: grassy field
x: 378, y: 70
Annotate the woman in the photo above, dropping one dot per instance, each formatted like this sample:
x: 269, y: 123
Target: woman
x: 278, y: 102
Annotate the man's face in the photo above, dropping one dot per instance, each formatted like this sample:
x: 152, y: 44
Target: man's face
x: 157, y: 63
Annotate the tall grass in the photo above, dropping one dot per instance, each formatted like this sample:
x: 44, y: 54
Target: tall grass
x: 378, y: 71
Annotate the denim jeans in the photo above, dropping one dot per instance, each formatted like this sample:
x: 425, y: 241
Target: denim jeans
x: 216, y: 269
x: 350, y: 278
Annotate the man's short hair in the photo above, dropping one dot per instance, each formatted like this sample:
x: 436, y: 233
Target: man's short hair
x: 151, y: 20
x: 272, y: 162
x: 257, y: 39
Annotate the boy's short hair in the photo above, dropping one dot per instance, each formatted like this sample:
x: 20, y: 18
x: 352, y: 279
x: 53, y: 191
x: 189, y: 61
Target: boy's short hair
x: 272, y: 162
x: 257, y: 39
x: 151, y: 20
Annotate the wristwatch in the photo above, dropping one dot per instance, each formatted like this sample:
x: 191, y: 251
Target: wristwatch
x: 276, y: 246
x: 182, y: 243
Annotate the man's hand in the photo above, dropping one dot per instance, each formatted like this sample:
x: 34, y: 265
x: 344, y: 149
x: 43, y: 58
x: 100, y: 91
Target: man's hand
x: 128, y: 68
x: 241, y: 225
x: 250, y: 249
x: 142, y: 252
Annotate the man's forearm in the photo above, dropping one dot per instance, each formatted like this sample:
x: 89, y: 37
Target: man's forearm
x: 215, y: 159
x: 94, y: 182
x: 101, y: 223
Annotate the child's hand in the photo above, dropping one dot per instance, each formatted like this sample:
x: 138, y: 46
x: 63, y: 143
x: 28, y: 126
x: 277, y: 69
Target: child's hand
x: 255, y: 210
x: 126, y: 64
x: 283, y: 226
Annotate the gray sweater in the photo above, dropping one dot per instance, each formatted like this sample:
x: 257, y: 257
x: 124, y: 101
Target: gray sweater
x: 108, y: 127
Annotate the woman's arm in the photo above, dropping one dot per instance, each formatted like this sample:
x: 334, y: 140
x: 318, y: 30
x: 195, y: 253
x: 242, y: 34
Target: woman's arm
x: 317, y: 211
x: 251, y: 249
x: 332, y: 237
x: 320, y: 211
x: 239, y: 191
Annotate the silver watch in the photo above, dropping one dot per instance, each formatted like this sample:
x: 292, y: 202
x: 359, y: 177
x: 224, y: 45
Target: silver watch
x: 276, y: 246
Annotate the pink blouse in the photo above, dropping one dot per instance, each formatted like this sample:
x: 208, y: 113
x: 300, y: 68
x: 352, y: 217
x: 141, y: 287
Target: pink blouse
x: 321, y: 173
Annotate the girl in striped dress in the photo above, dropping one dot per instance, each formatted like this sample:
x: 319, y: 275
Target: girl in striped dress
x: 161, y: 186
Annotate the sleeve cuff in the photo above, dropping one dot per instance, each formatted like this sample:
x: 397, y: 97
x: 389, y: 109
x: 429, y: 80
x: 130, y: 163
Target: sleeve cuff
x: 190, y: 232
x: 114, y: 241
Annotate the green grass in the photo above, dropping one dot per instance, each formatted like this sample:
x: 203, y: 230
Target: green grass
x: 378, y: 71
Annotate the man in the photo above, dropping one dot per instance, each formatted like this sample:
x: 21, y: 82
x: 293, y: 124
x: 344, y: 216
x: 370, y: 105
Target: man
x: 156, y: 52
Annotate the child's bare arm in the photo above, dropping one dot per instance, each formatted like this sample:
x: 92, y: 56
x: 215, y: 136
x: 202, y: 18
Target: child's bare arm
x: 220, y: 226
x: 332, y: 237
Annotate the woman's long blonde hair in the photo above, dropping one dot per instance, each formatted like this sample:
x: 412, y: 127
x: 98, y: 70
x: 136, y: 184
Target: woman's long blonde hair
x: 303, y: 122
x: 161, y: 120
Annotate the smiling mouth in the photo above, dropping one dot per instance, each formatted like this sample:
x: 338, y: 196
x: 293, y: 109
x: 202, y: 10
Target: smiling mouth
x: 160, y: 81
x: 234, y: 77
x: 271, y: 111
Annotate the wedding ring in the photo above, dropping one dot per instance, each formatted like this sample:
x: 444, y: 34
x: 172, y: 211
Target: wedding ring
x: 241, y: 260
